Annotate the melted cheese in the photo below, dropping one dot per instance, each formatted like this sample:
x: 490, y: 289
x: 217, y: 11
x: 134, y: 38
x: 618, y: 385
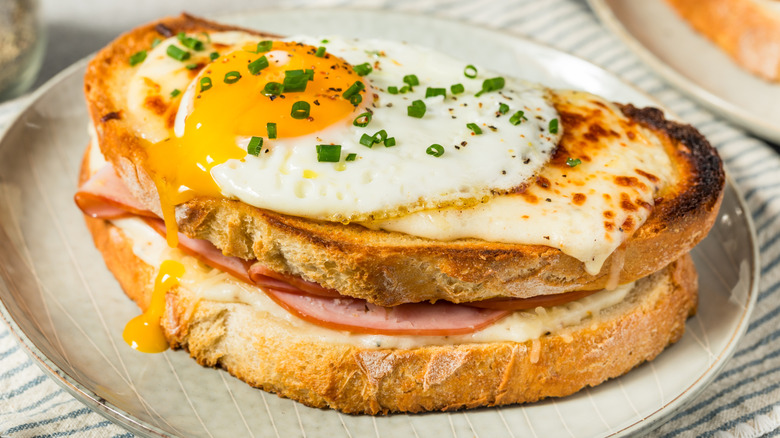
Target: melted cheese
x: 213, y: 285
x: 586, y: 210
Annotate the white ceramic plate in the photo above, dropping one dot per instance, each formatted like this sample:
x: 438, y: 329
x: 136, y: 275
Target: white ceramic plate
x: 693, y: 64
x: 68, y: 311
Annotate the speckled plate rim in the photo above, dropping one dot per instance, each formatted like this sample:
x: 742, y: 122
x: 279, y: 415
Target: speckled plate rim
x: 127, y: 420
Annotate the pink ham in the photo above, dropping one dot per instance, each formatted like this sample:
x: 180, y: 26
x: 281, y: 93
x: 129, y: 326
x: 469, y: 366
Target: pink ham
x: 105, y: 196
x: 262, y: 276
x: 359, y: 316
x: 206, y: 252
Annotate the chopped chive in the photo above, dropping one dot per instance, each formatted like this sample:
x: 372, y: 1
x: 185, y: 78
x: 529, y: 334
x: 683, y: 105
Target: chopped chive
x: 457, y: 88
x: 416, y: 109
x: 264, y: 46
x: 491, y: 84
x: 177, y: 53
x: 300, y: 110
x: 366, y: 140
x: 232, y: 77
x: 324, y: 41
x: 271, y: 128
x: 553, y: 126
x: 517, y: 118
x: 137, y: 58
x: 363, y: 69
x: 362, y: 120
x: 470, y: 71
x: 356, y: 99
x: 389, y: 142
x: 175, y: 92
x: 272, y: 89
x: 328, y: 153
x: 255, y: 144
x: 404, y: 89
x: 573, y: 162
x: 503, y: 108
x: 474, y: 128
x: 351, y: 157
x: 432, y: 92
x: 320, y: 52
x: 156, y: 42
x: 189, y: 42
x: 296, y: 80
x: 353, y: 89
x: 192, y: 66
x: 257, y: 65
x: 435, y: 149
x: 205, y: 84
x: 213, y: 55
x: 392, y: 90
x: 412, y: 81
x: 379, y: 137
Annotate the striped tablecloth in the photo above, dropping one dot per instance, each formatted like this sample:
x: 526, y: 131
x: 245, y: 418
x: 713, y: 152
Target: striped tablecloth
x: 743, y: 401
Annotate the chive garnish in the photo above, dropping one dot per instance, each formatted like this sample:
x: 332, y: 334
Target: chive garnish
x: 137, y: 58
x: 389, y: 142
x: 380, y: 136
x: 353, y: 93
x: 363, y: 69
x: 264, y: 46
x: 457, y: 88
x: 175, y: 92
x: 213, y: 55
x: 156, y: 42
x: 553, y: 126
x: 296, y: 80
x: 257, y: 65
x: 300, y: 110
x: 320, y: 52
x: 435, y: 149
x: 272, y: 89
x: 503, y: 108
x: 470, y: 71
x: 491, y: 84
x: 189, y: 42
x: 232, y: 77
x: 271, y: 128
x: 177, y: 53
x: 351, y: 157
x: 392, y: 90
x: 474, y: 128
x: 192, y: 66
x: 416, y: 109
x: 412, y: 81
x: 328, y: 153
x: 517, y: 118
x: 362, y: 120
x: 366, y: 140
x: 573, y: 162
x: 255, y: 145
x: 431, y: 92
x: 205, y: 84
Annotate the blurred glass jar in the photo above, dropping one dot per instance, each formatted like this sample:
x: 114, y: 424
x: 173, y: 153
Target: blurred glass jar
x: 22, y: 44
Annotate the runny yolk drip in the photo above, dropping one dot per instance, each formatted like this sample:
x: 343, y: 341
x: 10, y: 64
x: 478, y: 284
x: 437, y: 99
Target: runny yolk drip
x: 144, y: 332
x: 230, y: 103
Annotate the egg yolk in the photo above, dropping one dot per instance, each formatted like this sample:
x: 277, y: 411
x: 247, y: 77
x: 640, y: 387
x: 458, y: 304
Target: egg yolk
x: 144, y: 332
x: 233, y: 100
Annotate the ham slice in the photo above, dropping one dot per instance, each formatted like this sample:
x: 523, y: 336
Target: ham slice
x: 359, y: 316
x: 264, y: 277
x: 105, y: 196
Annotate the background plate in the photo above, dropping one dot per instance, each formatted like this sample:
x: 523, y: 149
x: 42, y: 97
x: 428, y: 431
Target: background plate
x: 69, y: 312
x: 693, y: 64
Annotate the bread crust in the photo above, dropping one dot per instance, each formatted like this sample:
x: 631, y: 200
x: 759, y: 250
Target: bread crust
x: 747, y: 30
x: 378, y: 381
x: 389, y: 268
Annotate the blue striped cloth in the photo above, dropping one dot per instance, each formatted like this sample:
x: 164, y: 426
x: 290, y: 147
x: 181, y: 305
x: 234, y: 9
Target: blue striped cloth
x: 743, y: 401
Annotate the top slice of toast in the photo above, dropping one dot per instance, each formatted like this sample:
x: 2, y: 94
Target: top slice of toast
x: 389, y: 268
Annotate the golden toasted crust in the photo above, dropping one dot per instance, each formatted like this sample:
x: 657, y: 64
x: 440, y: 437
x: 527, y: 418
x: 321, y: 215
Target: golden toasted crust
x: 748, y: 30
x: 353, y: 379
x: 389, y: 268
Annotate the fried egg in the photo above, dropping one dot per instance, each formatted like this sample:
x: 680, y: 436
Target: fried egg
x: 338, y: 129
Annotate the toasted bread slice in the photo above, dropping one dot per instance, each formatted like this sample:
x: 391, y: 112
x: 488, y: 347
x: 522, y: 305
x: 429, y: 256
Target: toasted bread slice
x: 263, y: 351
x: 389, y: 268
x: 747, y: 30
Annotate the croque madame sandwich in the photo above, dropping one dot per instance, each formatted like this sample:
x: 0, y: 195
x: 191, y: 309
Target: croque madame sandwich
x: 376, y: 227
